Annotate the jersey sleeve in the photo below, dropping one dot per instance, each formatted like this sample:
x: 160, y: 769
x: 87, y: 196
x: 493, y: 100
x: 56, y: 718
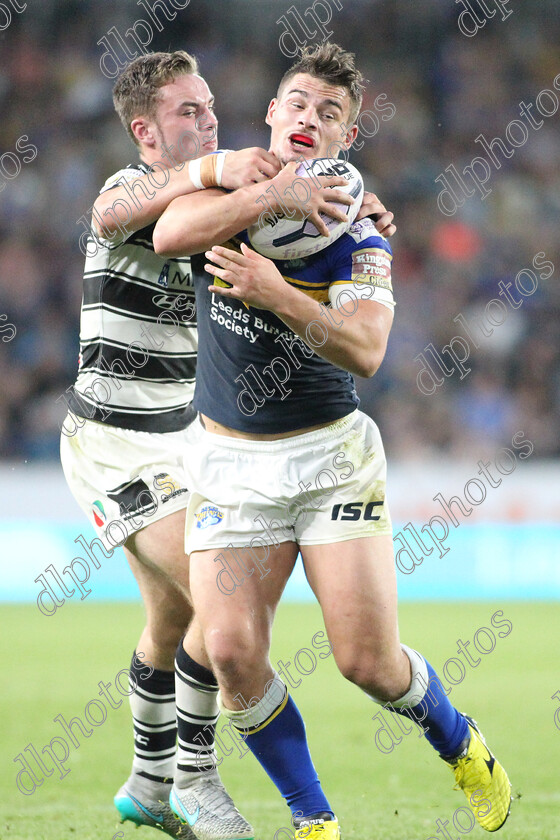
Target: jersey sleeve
x: 363, y: 268
x: 129, y: 173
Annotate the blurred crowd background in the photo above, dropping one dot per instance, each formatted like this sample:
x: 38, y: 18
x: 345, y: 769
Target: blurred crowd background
x: 447, y: 89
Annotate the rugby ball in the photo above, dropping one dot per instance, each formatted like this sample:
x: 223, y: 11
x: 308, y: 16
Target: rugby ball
x: 281, y: 238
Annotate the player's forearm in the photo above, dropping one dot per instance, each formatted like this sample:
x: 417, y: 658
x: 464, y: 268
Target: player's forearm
x: 355, y: 343
x: 139, y: 203
x: 192, y: 224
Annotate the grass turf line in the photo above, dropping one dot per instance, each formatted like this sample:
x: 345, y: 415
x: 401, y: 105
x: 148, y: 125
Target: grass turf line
x: 53, y: 665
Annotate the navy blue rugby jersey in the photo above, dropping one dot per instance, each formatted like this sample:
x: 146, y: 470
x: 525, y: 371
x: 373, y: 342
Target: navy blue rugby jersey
x: 253, y: 373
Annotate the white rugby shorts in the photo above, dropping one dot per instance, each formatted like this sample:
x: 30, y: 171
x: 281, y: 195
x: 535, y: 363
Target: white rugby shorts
x: 123, y: 479
x: 323, y: 486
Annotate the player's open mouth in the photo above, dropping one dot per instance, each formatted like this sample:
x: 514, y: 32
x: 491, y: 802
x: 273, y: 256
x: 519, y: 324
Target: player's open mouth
x: 301, y: 141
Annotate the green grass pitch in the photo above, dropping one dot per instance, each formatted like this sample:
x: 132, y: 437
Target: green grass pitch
x: 53, y: 665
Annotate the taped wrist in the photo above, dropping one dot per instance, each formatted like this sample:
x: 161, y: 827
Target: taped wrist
x: 207, y: 171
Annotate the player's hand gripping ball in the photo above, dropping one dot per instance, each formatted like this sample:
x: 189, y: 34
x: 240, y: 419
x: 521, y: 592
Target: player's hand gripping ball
x: 282, y: 238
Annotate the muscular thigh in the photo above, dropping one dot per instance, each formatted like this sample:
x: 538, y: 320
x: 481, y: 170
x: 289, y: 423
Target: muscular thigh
x: 160, y: 552
x: 236, y: 594
x: 355, y: 584
x: 158, y: 561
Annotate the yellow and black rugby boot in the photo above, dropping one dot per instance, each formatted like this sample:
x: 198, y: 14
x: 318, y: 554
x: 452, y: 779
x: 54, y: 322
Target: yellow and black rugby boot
x: 482, y: 779
x: 317, y: 827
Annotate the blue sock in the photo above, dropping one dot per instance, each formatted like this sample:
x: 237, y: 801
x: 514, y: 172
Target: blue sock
x: 446, y: 727
x: 280, y: 745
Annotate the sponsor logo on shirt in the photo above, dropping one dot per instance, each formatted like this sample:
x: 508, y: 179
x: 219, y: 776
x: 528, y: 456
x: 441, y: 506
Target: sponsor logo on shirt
x: 372, y: 267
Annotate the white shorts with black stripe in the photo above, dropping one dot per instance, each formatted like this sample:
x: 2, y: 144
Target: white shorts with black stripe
x: 122, y: 479
x: 319, y: 487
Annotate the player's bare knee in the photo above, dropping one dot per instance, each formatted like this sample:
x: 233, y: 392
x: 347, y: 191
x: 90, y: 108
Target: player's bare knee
x: 234, y: 654
x: 354, y: 666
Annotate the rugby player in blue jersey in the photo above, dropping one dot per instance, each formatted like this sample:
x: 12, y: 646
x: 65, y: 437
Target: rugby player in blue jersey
x: 130, y: 417
x: 283, y: 461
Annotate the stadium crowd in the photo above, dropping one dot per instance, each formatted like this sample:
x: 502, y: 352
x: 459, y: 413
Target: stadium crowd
x: 446, y: 89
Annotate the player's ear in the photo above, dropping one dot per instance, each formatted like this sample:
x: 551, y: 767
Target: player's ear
x: 143, y: 131
x: 350, y: 135
x: 271, y: 109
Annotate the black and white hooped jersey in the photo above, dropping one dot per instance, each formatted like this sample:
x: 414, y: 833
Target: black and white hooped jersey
x: 138, y: 336
x: 254, y: 373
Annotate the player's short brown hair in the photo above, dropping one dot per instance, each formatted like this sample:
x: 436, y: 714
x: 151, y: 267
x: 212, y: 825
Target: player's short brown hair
x: 333, y: 65
x: 135, y: 93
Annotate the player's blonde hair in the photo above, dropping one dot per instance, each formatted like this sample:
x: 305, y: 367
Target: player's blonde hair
x: 135, y: 93
x: 330, y: 63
